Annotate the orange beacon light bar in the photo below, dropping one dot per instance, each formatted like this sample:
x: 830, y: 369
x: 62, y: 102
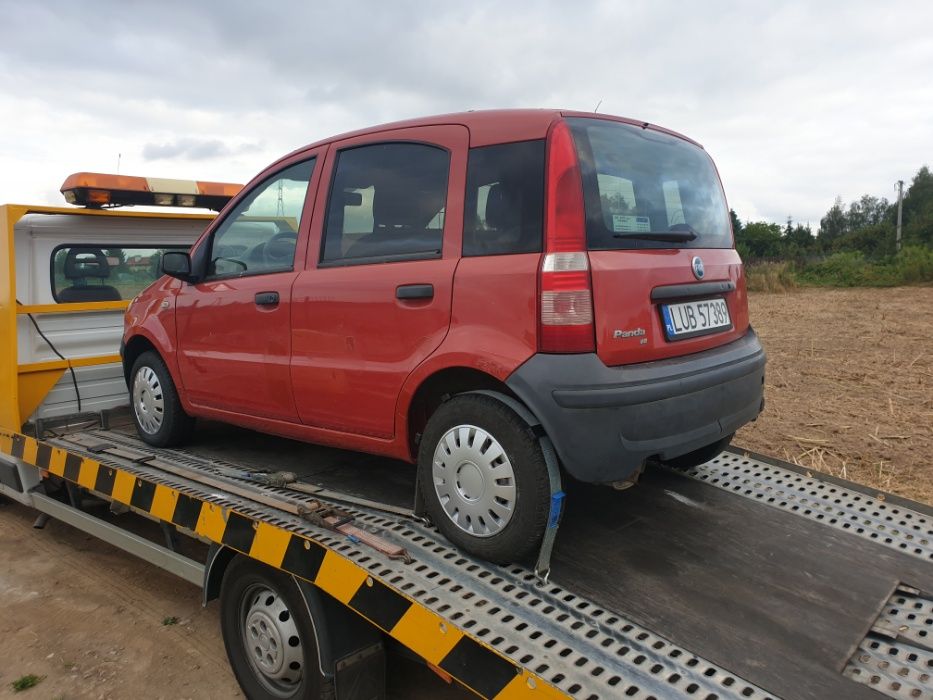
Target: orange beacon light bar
x: 96, y: 190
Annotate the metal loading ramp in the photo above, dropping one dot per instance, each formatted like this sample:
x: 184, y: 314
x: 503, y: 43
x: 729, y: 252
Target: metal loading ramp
x: 715, y: 583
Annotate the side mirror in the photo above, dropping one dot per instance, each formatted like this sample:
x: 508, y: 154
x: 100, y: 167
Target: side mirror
x: 178, y: 265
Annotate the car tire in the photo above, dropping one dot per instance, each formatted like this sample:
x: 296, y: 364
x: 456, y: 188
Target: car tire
x: 269, y: 635
x: 155, y: 407
x: 493, y: 506
x: 700, y: 456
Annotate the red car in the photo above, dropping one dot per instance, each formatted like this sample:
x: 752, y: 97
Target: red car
x: 463, y: 292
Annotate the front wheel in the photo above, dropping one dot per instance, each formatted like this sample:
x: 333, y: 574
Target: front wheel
x: 269, y: 635
x: 156, y: 409
x: 484, y: 478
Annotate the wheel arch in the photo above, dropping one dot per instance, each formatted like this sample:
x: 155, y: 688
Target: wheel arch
x: 338, y: 632
x: 136, y: 346
x: 437, y: 387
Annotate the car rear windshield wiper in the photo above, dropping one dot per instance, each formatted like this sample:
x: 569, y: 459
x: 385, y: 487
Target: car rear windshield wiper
x: 664, y: 236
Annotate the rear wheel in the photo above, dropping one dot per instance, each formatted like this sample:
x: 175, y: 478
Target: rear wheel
x: 269, y: 635
x: 156, y: 409
x: 484, y: 478
x: 700, y: 456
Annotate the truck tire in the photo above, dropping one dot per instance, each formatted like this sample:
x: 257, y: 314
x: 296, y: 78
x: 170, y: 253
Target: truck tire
x: 156, y: 409
x: 269, y: 635
x: 699, y: 456
x: 484, y: 478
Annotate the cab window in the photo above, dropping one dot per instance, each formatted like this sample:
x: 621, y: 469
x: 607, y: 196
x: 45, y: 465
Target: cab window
x: 98, y: 273
x: 260, y: 235
x: 387, y: 202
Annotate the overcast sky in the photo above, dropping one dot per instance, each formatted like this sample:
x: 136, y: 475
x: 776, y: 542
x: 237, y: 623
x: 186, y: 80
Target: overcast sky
x: 797, y: 102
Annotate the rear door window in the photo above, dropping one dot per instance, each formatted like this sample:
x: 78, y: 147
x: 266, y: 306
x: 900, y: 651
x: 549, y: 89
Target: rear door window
x: 104, y: 273
x: 642, y: 181
x: 387, y: 202
x: 504, y: 199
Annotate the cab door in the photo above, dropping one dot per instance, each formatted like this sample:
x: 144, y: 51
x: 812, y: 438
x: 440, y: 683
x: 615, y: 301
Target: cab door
x: 234, y: 338
x: 375, y: 300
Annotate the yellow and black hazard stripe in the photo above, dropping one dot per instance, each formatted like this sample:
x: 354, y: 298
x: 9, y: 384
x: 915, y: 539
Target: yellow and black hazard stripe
x: 428, y: 634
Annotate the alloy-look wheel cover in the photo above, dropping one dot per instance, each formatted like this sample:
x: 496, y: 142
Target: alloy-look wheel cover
x: 474, y: 480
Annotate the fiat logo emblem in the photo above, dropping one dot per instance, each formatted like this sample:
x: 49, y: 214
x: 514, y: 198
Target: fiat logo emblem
x: 698, y: 270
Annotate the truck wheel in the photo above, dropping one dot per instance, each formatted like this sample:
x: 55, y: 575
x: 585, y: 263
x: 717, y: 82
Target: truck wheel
x: 156, y: 409
x: 269, y: 635
x: 700, y: 456
x: 484, y: 478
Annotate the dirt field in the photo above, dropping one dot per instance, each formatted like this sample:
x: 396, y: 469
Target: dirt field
x: 849, y: 386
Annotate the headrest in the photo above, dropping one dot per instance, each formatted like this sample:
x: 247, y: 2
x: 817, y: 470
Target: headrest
x: 502, y: 211
x: 86, y: 262
x: 403, y: 205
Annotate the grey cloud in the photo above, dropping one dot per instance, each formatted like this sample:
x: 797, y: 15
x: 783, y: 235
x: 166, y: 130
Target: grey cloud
x: 195, y: 149
x: 797, y: 101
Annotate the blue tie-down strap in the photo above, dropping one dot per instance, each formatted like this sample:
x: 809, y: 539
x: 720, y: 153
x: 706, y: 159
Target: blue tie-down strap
x: 557, y: 507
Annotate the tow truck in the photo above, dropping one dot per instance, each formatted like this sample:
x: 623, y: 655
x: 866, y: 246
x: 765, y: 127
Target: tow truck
x: 744, y: 577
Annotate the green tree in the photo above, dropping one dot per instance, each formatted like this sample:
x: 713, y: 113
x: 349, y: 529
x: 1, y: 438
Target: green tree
x: 736, y: 223
x: 873, y: 240
x: 833, y: 225
x: 759, y: 240
x: 918, y: 209
x: 798, y: 241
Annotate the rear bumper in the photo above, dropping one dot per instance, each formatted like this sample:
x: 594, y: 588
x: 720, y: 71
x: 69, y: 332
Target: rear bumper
x: 605, y: 421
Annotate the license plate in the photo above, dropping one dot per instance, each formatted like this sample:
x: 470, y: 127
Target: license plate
x: 692, y: 318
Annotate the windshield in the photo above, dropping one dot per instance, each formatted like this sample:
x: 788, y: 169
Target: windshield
x: 638, y: 182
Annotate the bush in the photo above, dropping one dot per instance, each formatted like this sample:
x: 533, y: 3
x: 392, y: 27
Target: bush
x: 912, y: 265
x: 770, y: 277
x: 915, y: 264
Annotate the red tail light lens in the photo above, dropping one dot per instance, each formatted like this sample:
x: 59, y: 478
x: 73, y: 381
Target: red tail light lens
x: 566, y: 297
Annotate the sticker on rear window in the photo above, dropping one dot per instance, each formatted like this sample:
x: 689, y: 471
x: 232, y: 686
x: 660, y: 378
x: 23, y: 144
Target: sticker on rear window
x: 627, y: 222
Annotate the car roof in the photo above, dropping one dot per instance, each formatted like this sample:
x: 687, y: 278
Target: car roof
x: 490, y: 126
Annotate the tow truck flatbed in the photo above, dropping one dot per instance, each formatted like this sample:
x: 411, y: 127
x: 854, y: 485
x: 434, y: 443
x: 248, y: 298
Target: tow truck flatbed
x: 743, y: 577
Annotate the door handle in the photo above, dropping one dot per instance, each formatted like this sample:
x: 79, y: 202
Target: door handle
x: 415, y: 291
x: 267, y: 298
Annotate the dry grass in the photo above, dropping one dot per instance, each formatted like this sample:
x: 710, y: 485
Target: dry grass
x: 849, y: 386
x: 770, y: 277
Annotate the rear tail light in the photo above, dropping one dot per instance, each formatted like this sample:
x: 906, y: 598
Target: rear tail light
x: 566, y: 296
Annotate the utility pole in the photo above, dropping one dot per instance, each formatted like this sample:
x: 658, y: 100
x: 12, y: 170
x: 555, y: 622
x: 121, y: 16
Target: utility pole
x: 900, y: 210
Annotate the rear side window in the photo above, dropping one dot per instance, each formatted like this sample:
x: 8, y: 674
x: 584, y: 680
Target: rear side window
x: 97, y: 273
x: 504, y: 199
x: 639, y: 181
x: 387, y: 202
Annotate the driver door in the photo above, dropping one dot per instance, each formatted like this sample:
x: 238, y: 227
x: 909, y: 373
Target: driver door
x: 234, y: 335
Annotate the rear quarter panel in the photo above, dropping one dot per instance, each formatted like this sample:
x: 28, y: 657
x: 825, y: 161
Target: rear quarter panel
x: 493, y: 327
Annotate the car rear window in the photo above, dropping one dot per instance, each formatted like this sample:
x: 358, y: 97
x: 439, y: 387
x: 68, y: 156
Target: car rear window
x: 640, y: 181
x: 504, y: 199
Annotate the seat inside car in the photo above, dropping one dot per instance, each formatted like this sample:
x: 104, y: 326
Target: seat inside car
x: 81, y: 266
x: 401, y: 215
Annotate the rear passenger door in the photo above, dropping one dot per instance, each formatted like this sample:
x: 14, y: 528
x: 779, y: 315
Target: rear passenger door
x: 375, y: 300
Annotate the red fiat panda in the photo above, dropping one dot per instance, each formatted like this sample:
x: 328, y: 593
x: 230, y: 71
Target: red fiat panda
x: 449, y: 290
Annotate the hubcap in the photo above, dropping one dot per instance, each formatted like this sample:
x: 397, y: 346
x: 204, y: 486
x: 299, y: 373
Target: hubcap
x: 270, y: 638
x: 474, y: 480
x: 148, y: 401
